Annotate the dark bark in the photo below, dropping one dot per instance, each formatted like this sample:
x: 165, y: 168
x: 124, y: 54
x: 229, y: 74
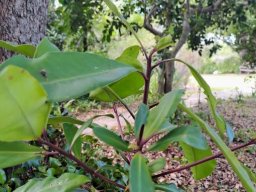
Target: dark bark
x: 22, y: 21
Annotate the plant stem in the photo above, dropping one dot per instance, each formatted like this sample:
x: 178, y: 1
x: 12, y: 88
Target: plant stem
x: 79, y: 162
x: 147, y: 77
x: 118, y: 121
x: 217, y: 155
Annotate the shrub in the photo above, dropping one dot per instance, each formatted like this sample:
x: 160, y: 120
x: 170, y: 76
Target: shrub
x: 29, y: 86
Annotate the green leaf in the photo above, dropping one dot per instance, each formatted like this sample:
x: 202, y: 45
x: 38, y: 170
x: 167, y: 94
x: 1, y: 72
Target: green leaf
x: 139, y: 176
x: 24, y: 108
x: 80, y: 72
x: 220, y: 122
x: 110, y: 138
x: 167, y: 187
x: 229, y: 155
x: 128, y: 124
x: 64, y: 119
x: 140, y: 119
x: 251, y: 174
x: 70, y: 131
x: 14, y: 153
x: 45, y: 46
x: 162, y: 112
x: 164, y: 42
x: 167, y: 127
x: 191, y: 135
x: 66, y: 182
x: 192, y: 154
x: 132, y: 51
x: 126, y: 86
x: 2, y: 177
x: 25, y: 49
x: 85, y: 125
x: 80, y: 131
x: 157, y: 165
x: 230, y: 133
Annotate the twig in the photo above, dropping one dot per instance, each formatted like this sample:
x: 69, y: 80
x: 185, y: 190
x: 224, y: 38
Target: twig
x: 118, y: 121
x: 217, y: 155
x: 50, y: 153
x: 111, y: 91
x: 79, y: 162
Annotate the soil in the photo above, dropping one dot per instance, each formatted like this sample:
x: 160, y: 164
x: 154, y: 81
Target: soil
x: 239, y: 112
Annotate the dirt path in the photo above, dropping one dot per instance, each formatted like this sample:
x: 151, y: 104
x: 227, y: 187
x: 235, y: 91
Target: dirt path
x: 223, y: 86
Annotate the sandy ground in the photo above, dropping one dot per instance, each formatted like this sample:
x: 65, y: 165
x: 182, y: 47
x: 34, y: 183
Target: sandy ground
x: 224, y: 86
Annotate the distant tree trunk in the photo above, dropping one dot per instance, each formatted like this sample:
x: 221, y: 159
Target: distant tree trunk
x: 165, y: 81
x: 22, y: 21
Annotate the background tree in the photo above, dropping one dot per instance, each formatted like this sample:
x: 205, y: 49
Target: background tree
x: 22, y: 21
x: 186, y: 22
x: 72, y: 24
x: 245, y: 33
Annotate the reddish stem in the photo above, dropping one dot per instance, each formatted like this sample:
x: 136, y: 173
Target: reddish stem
x: 79, y: 162
x: 217, y: 155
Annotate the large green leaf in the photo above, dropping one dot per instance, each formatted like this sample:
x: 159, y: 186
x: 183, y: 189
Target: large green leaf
x: 45, y: 46
x: 161, y: 113
x: 139, y: 176
x: 110, y: 138
x: 14, y: 153
x: 229, y: 155
x: 167, y: 187
x: 24, y: 108
x: 70, y: 131
x: 126, y: 86
x: 25, y: 49
x: 66, y: 75
x: 140, y: 119
x: 192, y: 154
x: 66, y: 182
x: 191, y: 135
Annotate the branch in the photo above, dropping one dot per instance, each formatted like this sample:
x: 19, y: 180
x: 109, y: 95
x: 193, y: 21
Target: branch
x: 147, y: 25
x: 217, y: 155
x: 118, y: 121
x: 208, y: 9
x: 79, y: 162
x: 185, y: 31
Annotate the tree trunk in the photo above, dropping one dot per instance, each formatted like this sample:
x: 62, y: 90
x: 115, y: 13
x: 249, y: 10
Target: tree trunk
x: 165, y: 80
x: 22, y: 21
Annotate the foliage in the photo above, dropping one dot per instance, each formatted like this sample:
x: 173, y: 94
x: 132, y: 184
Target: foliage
x: 245, y: 32
x: 230, y: 65
x: 72, y: 24
x: 55, y: 76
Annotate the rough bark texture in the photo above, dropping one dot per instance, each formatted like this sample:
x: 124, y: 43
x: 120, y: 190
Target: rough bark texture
x: 22, y: 21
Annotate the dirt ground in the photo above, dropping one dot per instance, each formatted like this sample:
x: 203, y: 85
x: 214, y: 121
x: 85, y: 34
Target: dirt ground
x: 239, y: 111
